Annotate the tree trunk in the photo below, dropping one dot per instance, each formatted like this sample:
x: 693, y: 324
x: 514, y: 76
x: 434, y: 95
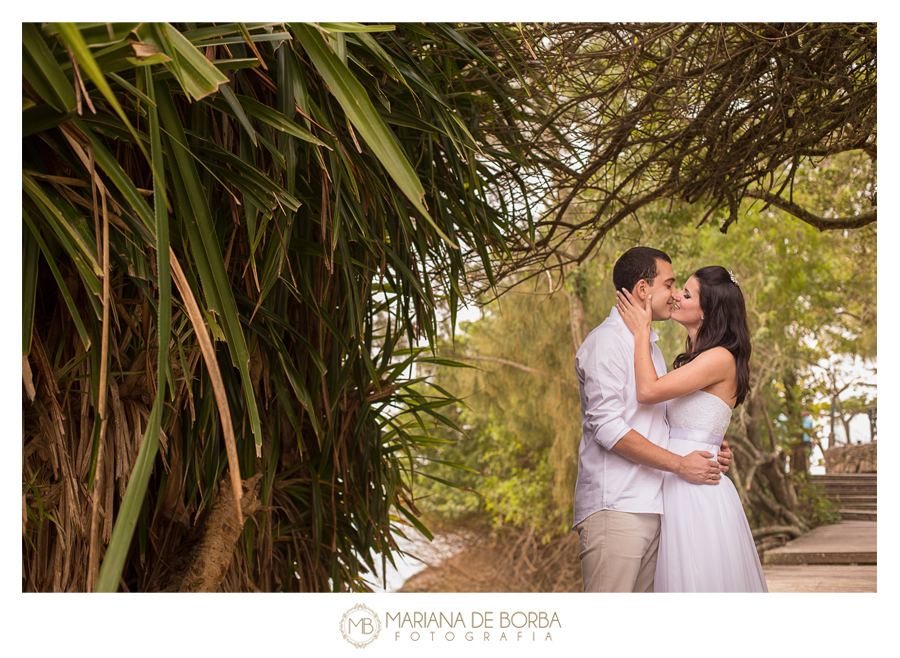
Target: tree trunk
x: 770, y: 493
x: 203, y: 564
x: 577, y: 318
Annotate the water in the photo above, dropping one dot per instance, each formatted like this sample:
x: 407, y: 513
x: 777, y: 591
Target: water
x: 406, y: 566
x: 431, y: 553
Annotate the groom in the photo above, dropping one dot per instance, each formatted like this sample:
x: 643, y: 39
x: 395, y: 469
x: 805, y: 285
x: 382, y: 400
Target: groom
x: 618, y: 495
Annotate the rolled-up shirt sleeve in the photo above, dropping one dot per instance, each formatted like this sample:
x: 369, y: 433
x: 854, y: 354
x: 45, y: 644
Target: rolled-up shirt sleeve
x: 604, y: 368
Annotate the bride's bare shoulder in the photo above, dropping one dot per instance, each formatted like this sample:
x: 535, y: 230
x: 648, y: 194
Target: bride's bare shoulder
x: 717, y: 355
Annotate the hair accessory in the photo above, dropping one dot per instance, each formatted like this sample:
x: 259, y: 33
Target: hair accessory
x: 733, y: 280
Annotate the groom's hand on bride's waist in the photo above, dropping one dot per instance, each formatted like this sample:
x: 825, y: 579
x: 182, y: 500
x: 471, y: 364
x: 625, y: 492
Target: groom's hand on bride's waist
x: 697, y: 468
x: 725, y: 457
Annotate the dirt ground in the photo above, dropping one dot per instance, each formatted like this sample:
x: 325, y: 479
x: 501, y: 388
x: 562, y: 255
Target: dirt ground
x: 490, y: 563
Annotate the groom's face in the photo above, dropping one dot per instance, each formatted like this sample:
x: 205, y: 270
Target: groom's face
x: 663, y: 291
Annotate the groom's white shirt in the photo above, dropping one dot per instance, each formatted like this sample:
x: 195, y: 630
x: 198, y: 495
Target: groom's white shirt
x: 609, y: 409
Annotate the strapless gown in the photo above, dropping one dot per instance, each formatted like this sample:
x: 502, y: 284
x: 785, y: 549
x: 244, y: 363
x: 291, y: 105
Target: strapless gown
x: 705, y: 542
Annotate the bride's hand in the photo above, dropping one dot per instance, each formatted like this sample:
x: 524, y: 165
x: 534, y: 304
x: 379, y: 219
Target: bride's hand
x: 635, y: 316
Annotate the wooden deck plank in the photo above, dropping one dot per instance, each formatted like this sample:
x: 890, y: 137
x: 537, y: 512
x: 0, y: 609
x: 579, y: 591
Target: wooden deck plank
x: 821, y: 578
x: 848, y: 542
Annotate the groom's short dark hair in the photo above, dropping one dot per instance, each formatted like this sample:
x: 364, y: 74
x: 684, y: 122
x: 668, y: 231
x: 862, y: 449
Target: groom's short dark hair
x: 635, y: 264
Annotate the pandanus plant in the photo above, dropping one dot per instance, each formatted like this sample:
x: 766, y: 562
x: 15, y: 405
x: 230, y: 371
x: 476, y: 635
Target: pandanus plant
x: 238, y: 241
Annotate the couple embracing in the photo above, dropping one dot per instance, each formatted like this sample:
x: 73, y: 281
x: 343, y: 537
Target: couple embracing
x: 652, y: 510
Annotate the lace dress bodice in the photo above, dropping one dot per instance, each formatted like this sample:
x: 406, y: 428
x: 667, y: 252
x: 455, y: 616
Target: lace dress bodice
x: 699, y: 411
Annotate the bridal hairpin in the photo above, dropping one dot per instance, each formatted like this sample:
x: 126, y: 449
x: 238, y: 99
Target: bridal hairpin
x: 733, y: 280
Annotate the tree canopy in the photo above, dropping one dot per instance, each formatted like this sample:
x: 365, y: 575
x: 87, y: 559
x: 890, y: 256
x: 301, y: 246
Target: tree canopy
x: 710, y: 114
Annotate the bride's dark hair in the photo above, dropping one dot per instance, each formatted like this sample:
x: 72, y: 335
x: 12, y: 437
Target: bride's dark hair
x: 724, y: 323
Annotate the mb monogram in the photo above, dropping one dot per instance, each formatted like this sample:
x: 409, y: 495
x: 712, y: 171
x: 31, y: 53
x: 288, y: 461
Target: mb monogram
x: 360, y: 626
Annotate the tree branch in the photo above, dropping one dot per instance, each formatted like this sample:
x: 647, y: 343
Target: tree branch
x: 765, y: 531
x: 513, y: 364
x: 821, y: 223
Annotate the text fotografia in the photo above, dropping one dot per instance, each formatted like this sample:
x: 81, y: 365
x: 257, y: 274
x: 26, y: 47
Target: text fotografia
x: 480, y: 626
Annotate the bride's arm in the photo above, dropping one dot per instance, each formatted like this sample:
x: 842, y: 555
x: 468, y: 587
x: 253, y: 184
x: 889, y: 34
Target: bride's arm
x: 710, y: 367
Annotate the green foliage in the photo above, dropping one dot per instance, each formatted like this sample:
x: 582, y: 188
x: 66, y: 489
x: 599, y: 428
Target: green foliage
x: 512, y: 487
x: 520, y: 427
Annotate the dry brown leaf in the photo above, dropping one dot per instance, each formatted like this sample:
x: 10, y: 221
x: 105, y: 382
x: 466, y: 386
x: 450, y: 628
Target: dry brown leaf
x: 212, y: 366
x: 27, y: 379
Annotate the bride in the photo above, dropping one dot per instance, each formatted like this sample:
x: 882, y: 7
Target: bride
x: 705, y: 542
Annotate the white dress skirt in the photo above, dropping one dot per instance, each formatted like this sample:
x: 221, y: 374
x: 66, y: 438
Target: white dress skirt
x: 705, y: 541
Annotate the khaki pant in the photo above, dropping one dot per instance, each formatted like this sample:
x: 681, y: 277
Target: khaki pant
x: 618, y: 551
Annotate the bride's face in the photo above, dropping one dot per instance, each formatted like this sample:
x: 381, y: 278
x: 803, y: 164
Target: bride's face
x: 686, y: 306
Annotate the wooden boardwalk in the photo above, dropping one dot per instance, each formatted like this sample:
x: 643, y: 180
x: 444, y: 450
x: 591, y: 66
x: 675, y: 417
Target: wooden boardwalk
x: 821, y: 578
x: 836, y: 558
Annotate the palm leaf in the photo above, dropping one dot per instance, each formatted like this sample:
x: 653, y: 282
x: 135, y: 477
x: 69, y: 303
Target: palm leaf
x: 355, y: 102
x: 72, y: 36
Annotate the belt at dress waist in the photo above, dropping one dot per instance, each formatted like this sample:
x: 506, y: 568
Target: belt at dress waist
x: 697, y: 436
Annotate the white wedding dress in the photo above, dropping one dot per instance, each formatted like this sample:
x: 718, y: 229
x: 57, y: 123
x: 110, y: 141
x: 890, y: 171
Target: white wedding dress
x: 705, y: 543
